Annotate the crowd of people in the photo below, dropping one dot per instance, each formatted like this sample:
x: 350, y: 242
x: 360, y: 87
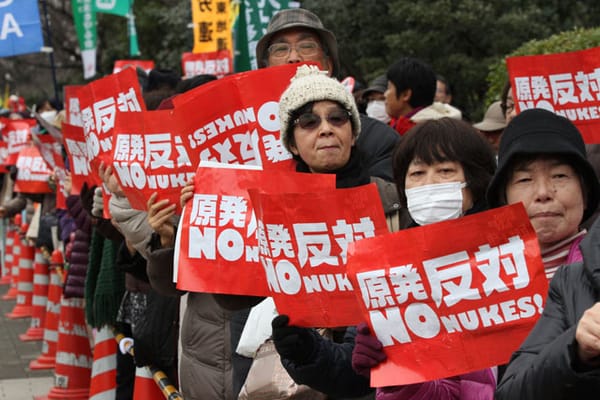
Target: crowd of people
x: 429, y: 164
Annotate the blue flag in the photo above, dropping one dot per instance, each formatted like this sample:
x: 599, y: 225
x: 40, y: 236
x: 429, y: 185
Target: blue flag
x: 20, y: 27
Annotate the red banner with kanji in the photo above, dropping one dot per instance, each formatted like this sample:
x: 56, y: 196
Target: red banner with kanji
x: 239, y: 122
x: 3, y: 156
x: 79, y: 158
x: 303, y: 239
x: 146, y: 65
x: 218, y: 240
x: 449, y: 298
x: 72, y: 106
x: 218, y: 63
x: 100, y: 101
x: 17, y: 134
x: 567, y: 84
x: 32, y: 172
x: 158, y: 151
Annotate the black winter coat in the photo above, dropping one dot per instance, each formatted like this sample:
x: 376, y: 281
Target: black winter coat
x: 546, y: 366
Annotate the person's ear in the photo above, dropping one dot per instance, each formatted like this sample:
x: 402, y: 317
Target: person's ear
x: 294, y: 149
x: 405, y: 95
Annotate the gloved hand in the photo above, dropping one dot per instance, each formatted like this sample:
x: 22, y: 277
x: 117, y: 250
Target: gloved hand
x: 97, y: 204
x: 293, y: 342
x: 368, y: 351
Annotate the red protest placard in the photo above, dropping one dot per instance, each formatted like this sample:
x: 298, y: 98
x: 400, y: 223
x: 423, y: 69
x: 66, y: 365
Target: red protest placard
x: 567, y: 84
x: 150, y: 156
x: 79, y: 158
x: 239, y: 122
x: 3, y: 157
x: 17, y: 134
x: 449, y: 298
x: 146, y: 65
x: 32, y: 172
x: 219, y: 63
x: 218, y: 245
x: 100, y: 101
x: 72, y: 106
x: 303, y: 243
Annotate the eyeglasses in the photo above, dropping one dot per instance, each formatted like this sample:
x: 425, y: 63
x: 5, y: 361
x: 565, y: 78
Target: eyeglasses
x: 310, y: 121
x: 305, y: 49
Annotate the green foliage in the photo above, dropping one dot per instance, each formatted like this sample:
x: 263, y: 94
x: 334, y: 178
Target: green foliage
x: 577, y: 39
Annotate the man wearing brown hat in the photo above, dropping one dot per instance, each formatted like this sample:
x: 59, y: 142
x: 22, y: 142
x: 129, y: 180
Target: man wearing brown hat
x: 297, y: 35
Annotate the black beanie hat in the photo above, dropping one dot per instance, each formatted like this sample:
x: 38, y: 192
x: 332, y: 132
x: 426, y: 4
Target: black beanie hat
x: 541, y: 132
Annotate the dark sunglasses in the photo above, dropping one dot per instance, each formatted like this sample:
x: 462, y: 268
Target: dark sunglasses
x: 310, y: 121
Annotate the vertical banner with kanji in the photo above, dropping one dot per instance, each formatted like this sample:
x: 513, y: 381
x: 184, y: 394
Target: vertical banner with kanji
x: 85, y: 25
x: 218, y: 241
x: 567, y: 84
x: 20, y: 27
x: 303, y: 240
x: 449, y: 298
x: 212, y: 28
x: 251, y: 25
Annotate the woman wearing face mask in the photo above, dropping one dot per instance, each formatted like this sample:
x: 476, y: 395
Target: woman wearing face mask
x: 442, y: 169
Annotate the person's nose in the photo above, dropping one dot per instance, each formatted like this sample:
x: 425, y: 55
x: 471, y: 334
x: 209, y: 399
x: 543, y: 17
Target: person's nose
x: 544, y: 190
x: 294, y: 56
x: 325, y: 128
x: 430, y: 178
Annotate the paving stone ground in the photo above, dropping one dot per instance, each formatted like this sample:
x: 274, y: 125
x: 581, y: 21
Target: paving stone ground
x: 17, y: 381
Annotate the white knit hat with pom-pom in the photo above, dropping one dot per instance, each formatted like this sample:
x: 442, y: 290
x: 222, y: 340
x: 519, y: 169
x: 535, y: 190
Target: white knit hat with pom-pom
x: 308, y: 85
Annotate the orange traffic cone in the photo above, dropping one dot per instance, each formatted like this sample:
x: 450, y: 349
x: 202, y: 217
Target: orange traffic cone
x: 25, y: 286
x: 144, y: 387
x: 8, y: 256
x: 47, y: 359
x: 104, y: 370
x: 73, y: 354
x: 14, y: 274
x: 40, y: 298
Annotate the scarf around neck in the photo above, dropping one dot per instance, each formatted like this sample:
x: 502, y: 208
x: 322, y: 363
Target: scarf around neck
x: 350, y: 175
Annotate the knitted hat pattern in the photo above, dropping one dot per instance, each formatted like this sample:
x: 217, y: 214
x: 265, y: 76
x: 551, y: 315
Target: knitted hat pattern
x: 310, y: 85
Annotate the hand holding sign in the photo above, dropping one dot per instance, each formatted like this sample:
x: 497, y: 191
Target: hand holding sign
x: 368, y: 351
x: 159, y: 218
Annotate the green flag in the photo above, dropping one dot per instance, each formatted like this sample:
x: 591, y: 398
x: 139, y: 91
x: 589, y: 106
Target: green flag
x: 250, y: 26
x: 85, y: 25
x: 116, y: 7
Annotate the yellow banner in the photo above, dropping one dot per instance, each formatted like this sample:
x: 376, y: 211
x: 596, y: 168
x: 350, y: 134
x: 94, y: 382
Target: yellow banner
x: 212, y: 25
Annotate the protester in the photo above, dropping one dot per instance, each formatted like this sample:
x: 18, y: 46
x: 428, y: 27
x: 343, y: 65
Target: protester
x: 297, y: 35
x: 374, y: 98
x: 508, y: 103
x: 542, y: 163
x: 410, y: 93
x: 559, y: 358
x: 443, y: 92
x: 447, y: 152
x: 492, y: 125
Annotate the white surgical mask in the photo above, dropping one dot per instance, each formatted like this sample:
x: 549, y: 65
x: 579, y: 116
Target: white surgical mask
x: 376, y: 109
x: 434, y: 203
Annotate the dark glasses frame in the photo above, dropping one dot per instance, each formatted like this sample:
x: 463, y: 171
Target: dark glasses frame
x: 311, y: 121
